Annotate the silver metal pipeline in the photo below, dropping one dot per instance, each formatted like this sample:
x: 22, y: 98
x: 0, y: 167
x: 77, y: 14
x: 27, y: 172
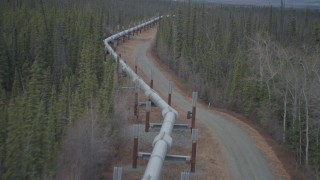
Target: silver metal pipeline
x: 163, y: 140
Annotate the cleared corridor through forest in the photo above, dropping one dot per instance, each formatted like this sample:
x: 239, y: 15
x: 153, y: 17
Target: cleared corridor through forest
x: 243, y: 158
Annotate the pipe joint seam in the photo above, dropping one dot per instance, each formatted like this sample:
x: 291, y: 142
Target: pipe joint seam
x: 169, y: 109
x: 163, y: 137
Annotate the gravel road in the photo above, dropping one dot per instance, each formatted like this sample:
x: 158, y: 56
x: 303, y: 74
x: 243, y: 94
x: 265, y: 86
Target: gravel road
x: 243, y: 158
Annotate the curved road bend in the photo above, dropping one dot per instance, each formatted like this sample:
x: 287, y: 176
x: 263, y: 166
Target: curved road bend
x: 243, y: 158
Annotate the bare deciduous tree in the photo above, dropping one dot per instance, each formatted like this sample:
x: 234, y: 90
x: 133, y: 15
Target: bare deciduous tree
x: 90, y: 146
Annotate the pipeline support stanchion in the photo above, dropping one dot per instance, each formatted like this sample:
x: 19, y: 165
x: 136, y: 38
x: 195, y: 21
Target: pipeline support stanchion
x: 151, y: 81
x: 194, y: 109
x: 194, y: 149
x: 135, y: 146
x: 169, y: 93
x: 117, y: 173
x: 170, y: 115
x: 136, y: 62
x: 148, y: 109
x: 185, y: 175
x: 136, y: 99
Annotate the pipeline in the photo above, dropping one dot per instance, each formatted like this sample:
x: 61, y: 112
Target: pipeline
x: 163, y: 141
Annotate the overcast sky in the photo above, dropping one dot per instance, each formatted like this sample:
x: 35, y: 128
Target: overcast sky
x: 289, y: 3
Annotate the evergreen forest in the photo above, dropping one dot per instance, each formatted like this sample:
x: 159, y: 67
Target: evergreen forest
x: 56, y: 85
x: 58, y: 116
x: 262, y: 62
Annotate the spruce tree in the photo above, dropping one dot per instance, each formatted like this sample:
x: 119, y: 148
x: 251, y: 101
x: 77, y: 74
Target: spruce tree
x: 106, y: 93
x: 36, y: 158
x: 3, y: 130
x: 77, y: 108
x: 180, y: 35
x: 235, y: 77
x: 87, y: 78
x: 15, y: 162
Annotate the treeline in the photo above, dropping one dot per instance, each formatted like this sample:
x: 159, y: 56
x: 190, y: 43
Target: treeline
x: 53, y: 74
x: 259, y: 61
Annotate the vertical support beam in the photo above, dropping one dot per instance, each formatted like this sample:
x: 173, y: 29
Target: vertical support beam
x: 194, y: 109
x: 136, y: 68
x: 169, y: 93
x: 151, y: 82
x: 135, y: 146
x: 136, y: 62
x: 194, y: 149
x: 148, y: 109
x: 193, y: 157
x: 136, y: 99
x: 117, y: 173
